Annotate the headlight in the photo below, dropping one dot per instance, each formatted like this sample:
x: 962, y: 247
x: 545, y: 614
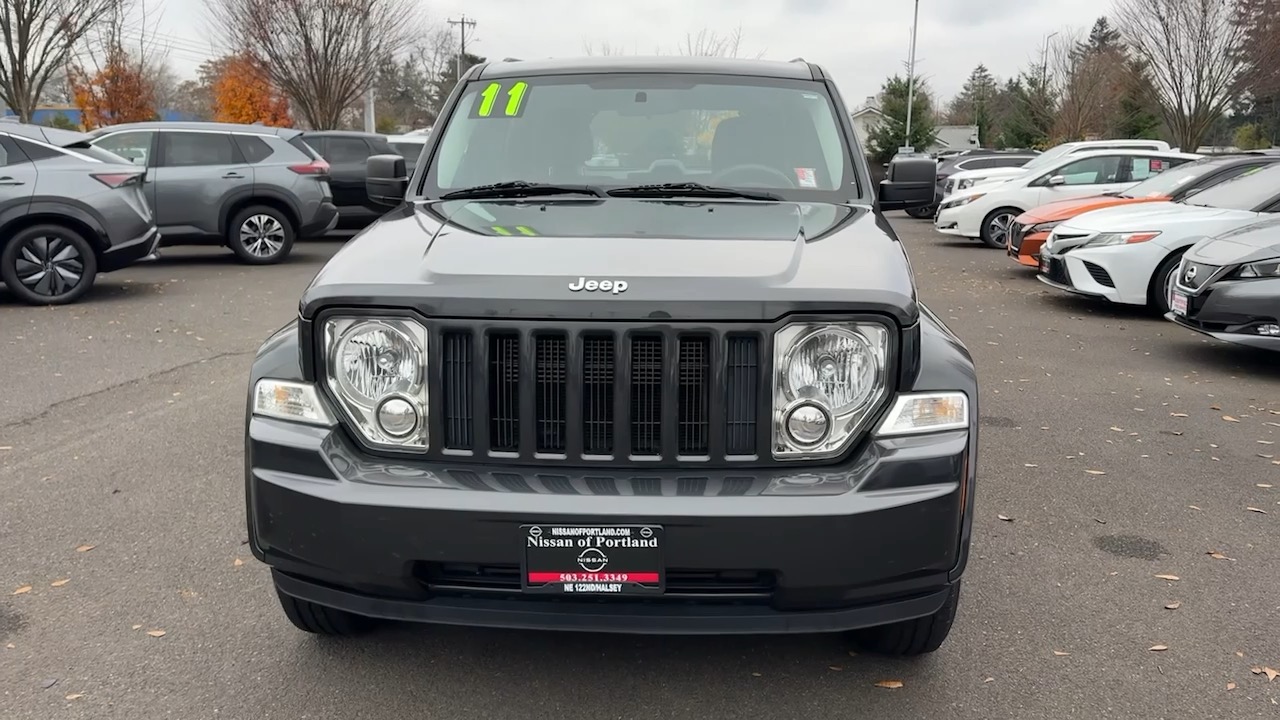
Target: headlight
x: 1106, y: 239
x: 1044, y: 227
x: 828, y: 378
x: 1264, y: 269
x: 965, y: 183
x: 919, y: 413
x: 958, y: 202
x: 376, y: 368
x: 288, y: 400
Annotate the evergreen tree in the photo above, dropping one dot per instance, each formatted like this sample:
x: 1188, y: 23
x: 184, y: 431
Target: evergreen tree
x: 976, y: 103
x: 1103, y: 38
x: 1138, y: 116
x: 889, y: 134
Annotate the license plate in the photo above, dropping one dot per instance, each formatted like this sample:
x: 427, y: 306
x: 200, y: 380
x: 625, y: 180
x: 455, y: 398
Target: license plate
x: 593, y: 560
x: 1178, y: 303
x: 1044, y: 264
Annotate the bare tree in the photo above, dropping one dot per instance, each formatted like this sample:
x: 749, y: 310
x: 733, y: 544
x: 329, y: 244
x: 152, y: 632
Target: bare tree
x: 1191, y: 48
x: 323, y: 54
x: 704, y: 43
x: 1088, y: 82
x: 39, y: 36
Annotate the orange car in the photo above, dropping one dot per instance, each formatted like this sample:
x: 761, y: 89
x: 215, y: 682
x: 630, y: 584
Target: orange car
x: 1031, y: 229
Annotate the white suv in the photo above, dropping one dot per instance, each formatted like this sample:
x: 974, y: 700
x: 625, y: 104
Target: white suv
x: 968, y: 178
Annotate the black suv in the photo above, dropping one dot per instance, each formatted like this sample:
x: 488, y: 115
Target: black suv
x: 690, y: 392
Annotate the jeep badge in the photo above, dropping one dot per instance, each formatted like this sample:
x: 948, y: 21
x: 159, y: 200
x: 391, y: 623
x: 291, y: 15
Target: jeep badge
x: 613, y: 286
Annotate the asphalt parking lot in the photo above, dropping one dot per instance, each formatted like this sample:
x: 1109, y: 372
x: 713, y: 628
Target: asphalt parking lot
x: 1115, y: 448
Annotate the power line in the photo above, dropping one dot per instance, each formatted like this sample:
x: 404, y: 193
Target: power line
x: 462, y: 24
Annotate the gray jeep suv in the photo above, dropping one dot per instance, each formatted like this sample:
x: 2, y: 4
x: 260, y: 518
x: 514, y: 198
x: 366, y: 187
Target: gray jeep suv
x: 251, y: 187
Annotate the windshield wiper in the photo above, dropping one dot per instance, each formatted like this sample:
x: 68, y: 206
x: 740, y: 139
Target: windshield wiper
x: 520, y: 189
x: 689, y: 189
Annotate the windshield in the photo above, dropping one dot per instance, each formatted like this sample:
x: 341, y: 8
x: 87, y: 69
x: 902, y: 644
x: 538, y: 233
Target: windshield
x: 1048, y: 156
x: 1171, y: 181
x: 612, y: 131
x: 1253, y: 190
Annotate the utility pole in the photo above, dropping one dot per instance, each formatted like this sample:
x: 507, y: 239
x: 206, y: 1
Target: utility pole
x: 911, y: 78
x: 370, y: 119
x: 462, y: 24
x: 1044, y: 62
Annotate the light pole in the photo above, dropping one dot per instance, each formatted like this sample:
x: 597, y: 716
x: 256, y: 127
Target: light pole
x: 911, y: 78
x: 1044, y: 61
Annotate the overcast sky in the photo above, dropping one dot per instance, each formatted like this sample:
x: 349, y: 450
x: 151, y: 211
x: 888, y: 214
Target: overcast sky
x: 860, y: 41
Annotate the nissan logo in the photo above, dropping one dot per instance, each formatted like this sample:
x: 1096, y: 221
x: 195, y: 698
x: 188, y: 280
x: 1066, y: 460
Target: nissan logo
x: 1191, y: 273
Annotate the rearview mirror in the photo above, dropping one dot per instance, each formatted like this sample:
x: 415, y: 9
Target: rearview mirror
x: 386, y: 180
x: 910, y: 184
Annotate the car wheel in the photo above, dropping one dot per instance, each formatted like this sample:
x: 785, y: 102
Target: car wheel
x: 995, y: 227
x: 911, y: 637
x: 48, y: 265
x: 1162, y: 284
x: 922, y: 213
x: 261, y: 235
x: 321, y: 620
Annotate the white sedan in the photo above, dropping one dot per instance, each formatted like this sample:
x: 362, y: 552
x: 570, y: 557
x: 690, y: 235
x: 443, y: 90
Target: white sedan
x: 1128, y: 254
x: 986, y: 210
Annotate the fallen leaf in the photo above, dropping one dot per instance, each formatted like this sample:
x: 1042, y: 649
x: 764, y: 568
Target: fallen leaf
x: 49, y: 683
x: 1239, y: 654
x: 1265, y: 485
x: 755, y: 675
x: 890, y: 684
x: 1158, y: 648
x: 238, y: 562
x: 1096, y: 472
x: 1005, y: 518
x: 837, y: 668
x: 137, y: 627
x: 1194, y: 507
x: 1231, y: 686
x: 1116, y: 429
x: 1177, y: 415
x: 1217, y: 555
x: 1228, y: 418
x: 156, y: 633
x: 990, y: 679
x: 1059, y: 653
x: 75, y: 696
x: 85, y: 548
x: 1168, y: 577
x: 1030, y: 465
x: 6, y: 447
x: 1257, y: 510
x: 1270, y: 673
x: 1173, y: 605
x: 11, y: 646
x: 1266, y: 442
x: 60, y: 583
x: 22, y: 590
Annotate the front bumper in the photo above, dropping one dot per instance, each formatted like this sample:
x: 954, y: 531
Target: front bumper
x: 955, y: 221
x: 1025, y: 249
x: 1120, y: 273
x: 1231, y: 310
x: 876, y: 539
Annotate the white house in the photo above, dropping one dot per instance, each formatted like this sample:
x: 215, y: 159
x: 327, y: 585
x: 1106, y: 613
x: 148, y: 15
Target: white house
x: 950, y: 137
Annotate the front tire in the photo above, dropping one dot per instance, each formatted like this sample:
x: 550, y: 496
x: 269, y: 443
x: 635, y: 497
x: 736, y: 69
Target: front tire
x: 48, y: 264
x: 261, y: 235
x: 910, y: 638
x: 995, y: 227
x: 320, y: 620
x: 1162, y: 284
x: 922, y: 213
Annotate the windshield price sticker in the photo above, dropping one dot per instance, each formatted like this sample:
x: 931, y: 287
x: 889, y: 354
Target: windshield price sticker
x: 501, y: 100
x: 616, y: 560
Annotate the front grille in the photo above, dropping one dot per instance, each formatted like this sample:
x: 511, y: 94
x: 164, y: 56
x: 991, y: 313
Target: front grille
x: 464, y: 578
x: 1017, y: 232
x: 1099, y: 274
x: 1058, y: 271
x: 1193, y: 275
x: 596, y: 394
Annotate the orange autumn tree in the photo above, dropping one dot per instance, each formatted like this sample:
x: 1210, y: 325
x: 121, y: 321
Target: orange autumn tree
x: 117, y: 92
x: 243, y: 93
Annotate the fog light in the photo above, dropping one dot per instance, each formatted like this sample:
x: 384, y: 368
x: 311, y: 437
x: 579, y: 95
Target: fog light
x: 397, y: 417
x: 808, y: 424
x: 1269, y: 329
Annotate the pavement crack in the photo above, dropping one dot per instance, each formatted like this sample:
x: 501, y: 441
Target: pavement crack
x: 29, y: 420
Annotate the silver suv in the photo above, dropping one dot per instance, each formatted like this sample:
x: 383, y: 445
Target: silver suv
x: 252, y: 188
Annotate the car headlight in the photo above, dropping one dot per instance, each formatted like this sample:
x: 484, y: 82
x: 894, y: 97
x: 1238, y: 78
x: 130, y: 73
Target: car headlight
x: 1105, y: 239
x: 289, y: 400
x: 1044, y: 227
x: 959, y: 202
x: 965, y: 183
x: 1264, y: 269
x: 919, y: 413
x: 828, y: 379
x: 376, y: 369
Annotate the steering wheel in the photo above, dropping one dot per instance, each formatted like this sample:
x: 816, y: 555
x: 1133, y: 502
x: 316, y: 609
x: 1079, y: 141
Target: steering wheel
x: 758, y: 171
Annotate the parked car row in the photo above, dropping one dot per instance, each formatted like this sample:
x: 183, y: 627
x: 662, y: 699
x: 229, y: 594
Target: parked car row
x: 73, y: 205
x: 1195, y: 239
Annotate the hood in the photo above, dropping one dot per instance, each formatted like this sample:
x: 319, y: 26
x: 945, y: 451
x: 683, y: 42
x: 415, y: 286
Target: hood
x: 678, y: 259
x: 1151, y: 216
x: 1067, y: 209
x: 1251, y: 243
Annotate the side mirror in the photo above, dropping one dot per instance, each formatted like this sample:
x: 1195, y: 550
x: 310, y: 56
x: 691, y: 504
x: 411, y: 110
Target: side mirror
x: 1056, y: 180
x: 911, y: 183
x: 386, y: 180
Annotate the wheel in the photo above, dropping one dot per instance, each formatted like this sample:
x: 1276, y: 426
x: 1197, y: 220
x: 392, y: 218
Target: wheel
x: 922, y: 213
x: 995, y: 227
x: 911, y: 637
x: 1162, y: 284
x: 261, y: 235
x: 48, y: 265
x: 321, y: 620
